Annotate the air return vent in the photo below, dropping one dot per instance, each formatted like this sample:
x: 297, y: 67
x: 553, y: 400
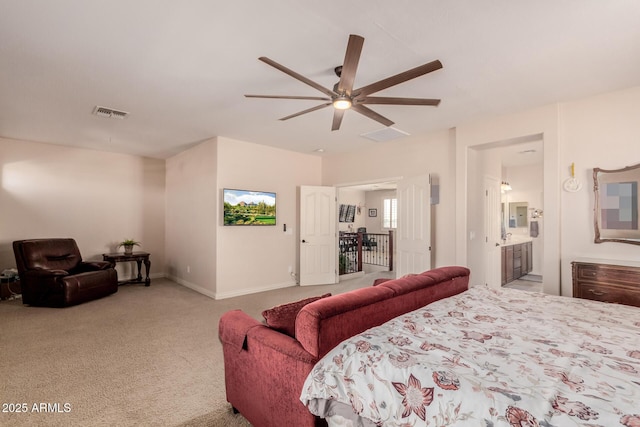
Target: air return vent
x: 109, y: 112
x: 385, y: 134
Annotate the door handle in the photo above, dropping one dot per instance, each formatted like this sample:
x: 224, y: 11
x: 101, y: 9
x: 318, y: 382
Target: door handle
x: 497, y: 244
x: 304, y: 241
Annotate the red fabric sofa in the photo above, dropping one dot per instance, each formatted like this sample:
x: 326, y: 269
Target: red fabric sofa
x: 265, y: 369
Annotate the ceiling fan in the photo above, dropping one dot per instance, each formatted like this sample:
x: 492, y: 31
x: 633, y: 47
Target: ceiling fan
x: 344, y: 97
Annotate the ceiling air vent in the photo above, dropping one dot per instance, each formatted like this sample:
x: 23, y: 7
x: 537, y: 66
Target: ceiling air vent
x: 109, y: 112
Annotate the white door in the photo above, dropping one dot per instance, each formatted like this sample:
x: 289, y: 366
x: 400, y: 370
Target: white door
x: 492, y: 232
x: 318, y: 241
x: 414, y: 228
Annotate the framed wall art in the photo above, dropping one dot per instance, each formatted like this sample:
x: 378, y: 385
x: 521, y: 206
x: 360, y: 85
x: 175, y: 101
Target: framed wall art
x: 616, y: 205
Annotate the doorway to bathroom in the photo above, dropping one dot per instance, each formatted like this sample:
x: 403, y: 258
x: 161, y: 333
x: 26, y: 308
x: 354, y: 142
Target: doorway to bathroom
x: 513, y: 229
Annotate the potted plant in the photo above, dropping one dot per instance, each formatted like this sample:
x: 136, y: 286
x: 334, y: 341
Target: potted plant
x: 128, y: 245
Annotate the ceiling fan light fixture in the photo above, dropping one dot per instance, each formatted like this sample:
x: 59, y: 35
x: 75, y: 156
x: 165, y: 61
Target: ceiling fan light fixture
x: 342, y: 103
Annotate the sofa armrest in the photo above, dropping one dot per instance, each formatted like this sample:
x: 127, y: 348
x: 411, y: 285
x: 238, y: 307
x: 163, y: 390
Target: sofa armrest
x: 233, y: 328
x: 264, y: 372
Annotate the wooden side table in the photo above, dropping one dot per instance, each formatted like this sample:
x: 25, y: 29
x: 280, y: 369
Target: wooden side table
x: 138, y: 257
x: 9, y: 287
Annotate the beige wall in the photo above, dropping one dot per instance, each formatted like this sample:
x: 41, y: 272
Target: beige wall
x: 256, y: 258
x: 413, y: 156
x: 375, y: 200
x: 604, y: 132
x: 191, y: 215
x: 225, y: 261
x: 95, y: 197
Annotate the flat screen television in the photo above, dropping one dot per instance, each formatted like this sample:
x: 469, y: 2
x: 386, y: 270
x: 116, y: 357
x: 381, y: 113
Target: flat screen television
x: 245, y: 207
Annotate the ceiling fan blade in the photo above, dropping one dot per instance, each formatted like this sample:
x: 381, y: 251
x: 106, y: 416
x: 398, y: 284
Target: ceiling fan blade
x: 350, y: 64
x: 371, y: 114
x: 397, y: 79
x: 310, y: 98
x: 337, y: 119
x: 308, y: 110
x: 398, y: 101
x: 297, y: 76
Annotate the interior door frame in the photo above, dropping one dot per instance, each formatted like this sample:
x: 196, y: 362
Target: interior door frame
x: 492, y: 218
x: 545, y: 126
x: 361, y: 183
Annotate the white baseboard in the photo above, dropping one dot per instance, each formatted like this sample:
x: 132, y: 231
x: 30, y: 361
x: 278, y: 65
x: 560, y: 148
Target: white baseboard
x: 134, y: 276
x: 193, y: 286
x: 223, y: 295
x: 241, y: 292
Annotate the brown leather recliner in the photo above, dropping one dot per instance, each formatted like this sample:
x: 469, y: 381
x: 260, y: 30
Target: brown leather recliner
x: 52, y: 273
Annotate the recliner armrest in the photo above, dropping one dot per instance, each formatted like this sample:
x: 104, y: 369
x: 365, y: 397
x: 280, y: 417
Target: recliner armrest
x: 42, y: 273
x: 92, y: 266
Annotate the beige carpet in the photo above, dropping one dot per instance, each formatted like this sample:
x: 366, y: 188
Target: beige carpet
x: 144, y: 357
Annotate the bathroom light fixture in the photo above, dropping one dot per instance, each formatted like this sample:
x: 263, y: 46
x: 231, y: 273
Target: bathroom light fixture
x: 342, y: 103
x: 505, y: 186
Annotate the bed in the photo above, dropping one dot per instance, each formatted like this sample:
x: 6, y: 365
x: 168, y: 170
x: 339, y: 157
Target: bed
x: 487, y: 357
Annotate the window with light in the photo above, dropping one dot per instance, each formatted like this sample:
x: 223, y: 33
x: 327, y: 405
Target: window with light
x: 390, y: 217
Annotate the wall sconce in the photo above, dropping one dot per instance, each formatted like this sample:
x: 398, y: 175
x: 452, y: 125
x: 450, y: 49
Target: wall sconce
x: 572, y: 184
x: 504, y: 187
x: 536, y: 213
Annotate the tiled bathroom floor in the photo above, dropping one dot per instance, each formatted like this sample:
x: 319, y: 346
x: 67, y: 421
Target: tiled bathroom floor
x: 530, y: 282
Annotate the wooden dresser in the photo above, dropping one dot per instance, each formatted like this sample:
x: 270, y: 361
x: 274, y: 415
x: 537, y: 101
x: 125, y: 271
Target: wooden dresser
x: 607, y: 280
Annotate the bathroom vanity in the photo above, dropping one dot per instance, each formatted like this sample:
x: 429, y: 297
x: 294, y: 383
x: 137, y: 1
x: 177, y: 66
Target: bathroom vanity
x: 516, y: 260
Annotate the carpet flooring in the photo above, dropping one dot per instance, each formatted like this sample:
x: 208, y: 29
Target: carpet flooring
x: 145, y: 356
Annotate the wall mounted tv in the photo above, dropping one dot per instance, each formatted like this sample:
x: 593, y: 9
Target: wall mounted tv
x: 244, y: 207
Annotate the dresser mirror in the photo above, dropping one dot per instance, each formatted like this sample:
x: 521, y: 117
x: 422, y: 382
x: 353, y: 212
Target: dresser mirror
x: 616, y: 205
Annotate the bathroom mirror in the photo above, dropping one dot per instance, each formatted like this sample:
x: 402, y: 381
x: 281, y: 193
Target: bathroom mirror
x: 518, y: 214
x: 616, y: 205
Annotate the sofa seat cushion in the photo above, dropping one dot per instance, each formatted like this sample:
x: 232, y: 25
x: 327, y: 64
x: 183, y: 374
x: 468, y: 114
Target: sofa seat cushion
x: 283, y: 317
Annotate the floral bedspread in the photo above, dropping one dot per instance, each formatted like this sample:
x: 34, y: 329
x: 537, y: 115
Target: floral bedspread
x: 490, y: 358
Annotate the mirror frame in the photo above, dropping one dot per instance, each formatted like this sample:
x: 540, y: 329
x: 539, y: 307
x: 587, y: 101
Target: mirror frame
x: 630, y: 233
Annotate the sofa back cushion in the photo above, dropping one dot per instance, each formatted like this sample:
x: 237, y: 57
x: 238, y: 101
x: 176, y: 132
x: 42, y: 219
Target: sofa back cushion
x: 323, y: 324
x: 49, y: 254
x: 283, y: 317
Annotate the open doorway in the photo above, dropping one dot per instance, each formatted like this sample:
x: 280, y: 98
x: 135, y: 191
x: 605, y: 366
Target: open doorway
x: 513, y: 250
x: 410, y: 249
x: 367, y: 215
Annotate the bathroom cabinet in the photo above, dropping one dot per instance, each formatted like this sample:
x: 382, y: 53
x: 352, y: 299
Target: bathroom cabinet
x: 607, y: 281
x: 516, y: 261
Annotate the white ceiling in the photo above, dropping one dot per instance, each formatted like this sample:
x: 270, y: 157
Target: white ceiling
x: 181, y: 68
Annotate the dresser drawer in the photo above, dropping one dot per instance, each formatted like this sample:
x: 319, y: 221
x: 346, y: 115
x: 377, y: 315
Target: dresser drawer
x: 606, y: 274
x: 616, y: 294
